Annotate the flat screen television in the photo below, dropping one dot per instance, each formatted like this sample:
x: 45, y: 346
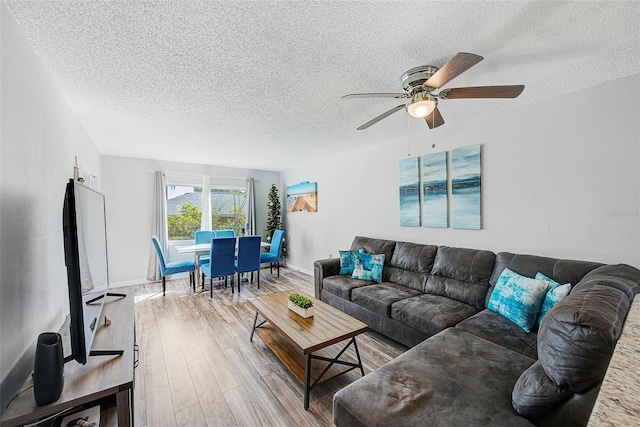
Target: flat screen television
x: 85, y: 252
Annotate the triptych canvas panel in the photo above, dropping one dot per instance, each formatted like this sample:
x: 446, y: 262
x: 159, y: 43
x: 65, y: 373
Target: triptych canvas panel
x: 424, y: 190
x: 409, y: 192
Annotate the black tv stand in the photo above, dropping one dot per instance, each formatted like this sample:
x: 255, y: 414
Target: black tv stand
x: 108, y: 294
x: 97, y: 353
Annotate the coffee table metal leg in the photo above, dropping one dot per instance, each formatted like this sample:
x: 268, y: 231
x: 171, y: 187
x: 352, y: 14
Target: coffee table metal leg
x: 255, y: 320
x: 307, y: 375
x: 358, y: 354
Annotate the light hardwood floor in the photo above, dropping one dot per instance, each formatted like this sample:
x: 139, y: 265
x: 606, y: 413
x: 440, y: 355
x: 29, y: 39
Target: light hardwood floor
x: 198, y: 368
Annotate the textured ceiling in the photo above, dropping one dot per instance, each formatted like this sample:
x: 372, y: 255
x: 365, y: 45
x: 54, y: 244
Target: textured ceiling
x: 257, y: 84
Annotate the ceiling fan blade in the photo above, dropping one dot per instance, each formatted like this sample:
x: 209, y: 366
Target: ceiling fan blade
x: 452, y: 69
x: 381, y: 116
x: 482, y: 92
x: 434, y: 119
x: 375, y: 95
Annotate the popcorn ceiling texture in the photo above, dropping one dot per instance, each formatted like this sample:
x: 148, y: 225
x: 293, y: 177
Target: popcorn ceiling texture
x: 257, y: 84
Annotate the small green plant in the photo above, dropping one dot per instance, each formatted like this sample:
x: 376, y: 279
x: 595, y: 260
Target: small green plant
x: 300, y: 301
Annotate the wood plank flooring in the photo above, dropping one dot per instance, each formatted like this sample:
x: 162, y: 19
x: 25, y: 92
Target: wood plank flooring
x: 198, y: 368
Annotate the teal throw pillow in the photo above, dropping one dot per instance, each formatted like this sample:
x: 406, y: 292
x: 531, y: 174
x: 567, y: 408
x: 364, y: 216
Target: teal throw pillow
x: 369, y: 267
x: 348, y: 260
x: 518, y: 298
x: 555, y: 294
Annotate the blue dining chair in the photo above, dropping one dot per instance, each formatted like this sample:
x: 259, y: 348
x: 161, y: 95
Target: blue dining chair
x: 221, y: 261
x: 225, y: 233
x: 172, y: 267
x: 248, y: 257
x: 273, y: 256
x: 204, y: 237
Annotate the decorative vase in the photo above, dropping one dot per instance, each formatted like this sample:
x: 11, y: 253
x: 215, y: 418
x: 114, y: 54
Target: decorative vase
x: 304, y: 312
x: 48, y: 370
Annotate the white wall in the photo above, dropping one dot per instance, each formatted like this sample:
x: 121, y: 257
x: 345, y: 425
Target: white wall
x: 560, y: 178
x: 128, y: 189
x: 40, y: 137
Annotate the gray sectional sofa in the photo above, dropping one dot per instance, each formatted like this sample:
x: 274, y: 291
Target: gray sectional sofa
x: 468, y: 365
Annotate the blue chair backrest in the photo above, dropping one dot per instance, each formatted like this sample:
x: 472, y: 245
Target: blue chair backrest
x: 248, y: 253
x: 222, y: 256
x: 276, y: 242
x: 156, y: 245
x: 225, y: 233
x: 204, y: 236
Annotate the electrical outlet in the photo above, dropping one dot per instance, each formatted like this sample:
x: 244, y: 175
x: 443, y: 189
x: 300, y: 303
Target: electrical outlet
x: 330, y: 256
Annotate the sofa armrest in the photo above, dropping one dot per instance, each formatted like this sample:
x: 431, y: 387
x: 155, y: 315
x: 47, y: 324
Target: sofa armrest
x: 324, y: 268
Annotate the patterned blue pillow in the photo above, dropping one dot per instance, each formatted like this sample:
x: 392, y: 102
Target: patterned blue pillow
x: 518, y: 298
x: 348, y: 260
x: 555, y: 293
x: 369, y: 267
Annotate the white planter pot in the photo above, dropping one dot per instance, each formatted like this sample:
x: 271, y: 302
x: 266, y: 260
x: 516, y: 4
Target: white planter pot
x: 301, y: 311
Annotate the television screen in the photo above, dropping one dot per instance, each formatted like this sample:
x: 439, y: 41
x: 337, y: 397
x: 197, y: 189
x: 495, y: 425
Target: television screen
x: 85, y: 243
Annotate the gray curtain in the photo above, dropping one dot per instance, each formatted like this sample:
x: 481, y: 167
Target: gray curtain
x: 159, y: 226
x: 250, y: 226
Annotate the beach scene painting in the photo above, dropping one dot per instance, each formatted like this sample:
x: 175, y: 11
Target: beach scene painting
x: 409, y: 188
x: 302, y: 197
x: 466, y: 200
x: 434, y: 190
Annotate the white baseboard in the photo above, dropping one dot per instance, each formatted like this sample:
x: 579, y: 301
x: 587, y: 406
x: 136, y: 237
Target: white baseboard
x: 300, y: 269
x: 144, y: 281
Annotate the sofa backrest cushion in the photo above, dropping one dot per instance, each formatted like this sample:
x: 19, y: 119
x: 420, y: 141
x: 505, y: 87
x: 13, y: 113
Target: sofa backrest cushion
x: 577, y: 337
x: 411, y: 264
x: 461, y: 274
x: 621, y: 276
x: 561, y: 270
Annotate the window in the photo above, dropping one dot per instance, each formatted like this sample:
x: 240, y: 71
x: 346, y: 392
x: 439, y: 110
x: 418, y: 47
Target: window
x: 228, y: 210
x: 184, y: 211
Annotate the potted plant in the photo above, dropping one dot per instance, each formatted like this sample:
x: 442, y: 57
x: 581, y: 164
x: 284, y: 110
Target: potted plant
x: 301, y: 305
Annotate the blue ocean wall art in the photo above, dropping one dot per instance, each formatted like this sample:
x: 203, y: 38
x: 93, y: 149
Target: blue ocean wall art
x: 435, y: 190
x: 466, y: 196
x: 409, y: 189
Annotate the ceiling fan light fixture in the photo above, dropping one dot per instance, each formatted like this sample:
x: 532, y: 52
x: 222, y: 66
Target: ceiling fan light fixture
x: 421, y: 106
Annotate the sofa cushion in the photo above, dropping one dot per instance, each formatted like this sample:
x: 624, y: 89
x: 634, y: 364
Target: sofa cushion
x: 495, y: 328
x: 379, y: 298
x: 620, y: 276
x: 560, y: 270
x: 461, y: 274
x: 420, y: 386
x: 577, y: 337
x: 342, y: 285
x: 535, y: 393
x: 348, y: 260
x: 431, y: 313
x: 518, y: 298
x: 411, y: 264
x: 369, y: 267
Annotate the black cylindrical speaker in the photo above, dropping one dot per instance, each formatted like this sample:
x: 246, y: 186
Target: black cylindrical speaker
x: 48, y: 372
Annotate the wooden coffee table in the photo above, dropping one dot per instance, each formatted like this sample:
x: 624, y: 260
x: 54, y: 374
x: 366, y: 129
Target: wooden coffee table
x: 297, y: 341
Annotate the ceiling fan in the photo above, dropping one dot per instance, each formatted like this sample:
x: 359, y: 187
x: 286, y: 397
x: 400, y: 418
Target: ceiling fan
x: 419, y: 84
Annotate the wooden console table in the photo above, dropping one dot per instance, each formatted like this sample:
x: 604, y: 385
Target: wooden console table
x: 104, y: 379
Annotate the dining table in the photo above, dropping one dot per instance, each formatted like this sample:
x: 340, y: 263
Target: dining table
x: 203, y: 249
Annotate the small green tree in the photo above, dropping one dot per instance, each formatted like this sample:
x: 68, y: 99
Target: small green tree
x: 274, y: 219
x: 183, y: 225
